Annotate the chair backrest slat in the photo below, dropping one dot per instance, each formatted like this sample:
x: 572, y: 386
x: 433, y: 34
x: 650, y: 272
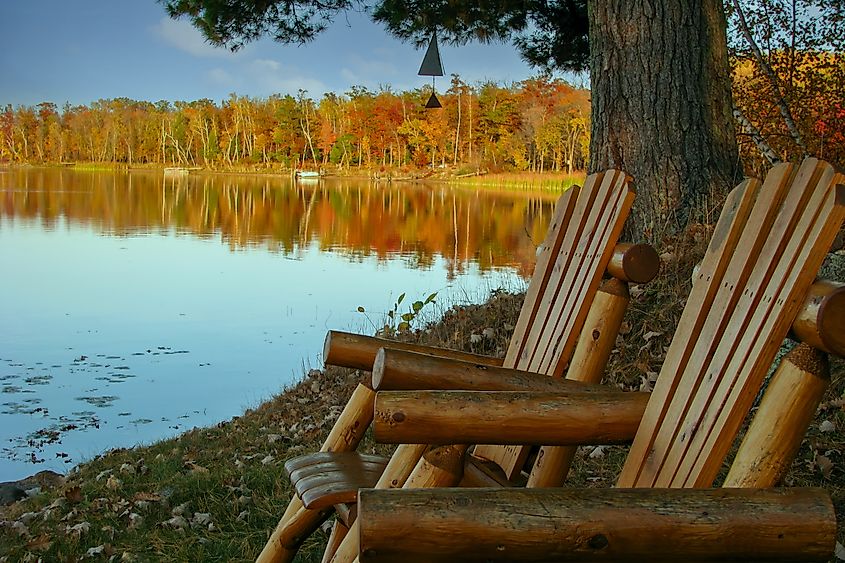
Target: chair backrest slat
x: 760, y: 263
x: 567, y: 311
x: 570, y: 268
x: 546, y: 259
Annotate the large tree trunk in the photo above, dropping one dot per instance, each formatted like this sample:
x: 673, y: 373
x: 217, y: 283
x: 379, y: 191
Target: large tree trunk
x: 661, y: 107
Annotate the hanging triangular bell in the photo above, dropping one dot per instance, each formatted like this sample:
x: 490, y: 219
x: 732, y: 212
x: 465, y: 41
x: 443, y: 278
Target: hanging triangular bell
x: 433, y: 102
x: 431, y: 63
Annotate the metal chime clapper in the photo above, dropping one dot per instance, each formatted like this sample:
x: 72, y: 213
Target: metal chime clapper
x: 432, y: 66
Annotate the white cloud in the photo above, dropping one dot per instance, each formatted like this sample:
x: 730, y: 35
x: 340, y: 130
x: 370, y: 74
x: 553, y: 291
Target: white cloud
x: 185, y: 37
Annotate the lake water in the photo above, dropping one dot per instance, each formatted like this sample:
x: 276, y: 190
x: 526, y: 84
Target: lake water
x: 136, y: 306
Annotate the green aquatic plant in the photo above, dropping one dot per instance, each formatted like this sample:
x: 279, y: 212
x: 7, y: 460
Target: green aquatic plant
x: 395, y: 321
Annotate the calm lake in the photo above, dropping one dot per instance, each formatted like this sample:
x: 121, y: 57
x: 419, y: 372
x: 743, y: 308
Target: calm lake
x: 136, y: 306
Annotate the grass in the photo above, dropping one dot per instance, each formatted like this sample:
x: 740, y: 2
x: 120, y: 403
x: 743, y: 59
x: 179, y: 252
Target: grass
x: 549, y: 181
x: 214, y: 494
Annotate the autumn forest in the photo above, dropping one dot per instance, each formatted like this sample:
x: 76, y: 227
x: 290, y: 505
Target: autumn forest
x: 539, y: 124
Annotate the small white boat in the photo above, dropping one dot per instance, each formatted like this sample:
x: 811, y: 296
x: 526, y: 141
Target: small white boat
x: 175, y: 171
x: 308, y: 174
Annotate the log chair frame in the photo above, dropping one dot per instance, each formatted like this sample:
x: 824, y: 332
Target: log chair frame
x: 723, y: 347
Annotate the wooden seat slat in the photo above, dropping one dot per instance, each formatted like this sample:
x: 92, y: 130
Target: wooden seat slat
x: 315, y: 458
x: 328, y: 468
x: 322, y: 480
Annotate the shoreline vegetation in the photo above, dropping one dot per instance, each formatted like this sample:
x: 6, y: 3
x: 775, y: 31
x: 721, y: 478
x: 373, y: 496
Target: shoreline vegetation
x: 461, y: 175
x: 215, y: 494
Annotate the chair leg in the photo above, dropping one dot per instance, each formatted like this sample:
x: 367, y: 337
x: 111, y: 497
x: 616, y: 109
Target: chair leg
x: 298, y: 522
x: 290, y: 533
x: 339, y: 531
x: 402, y: 463
x: 598, y: 337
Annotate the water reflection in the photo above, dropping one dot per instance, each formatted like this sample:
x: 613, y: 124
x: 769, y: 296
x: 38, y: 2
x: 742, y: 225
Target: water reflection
x: 355, y: 217
x: 136, y: 307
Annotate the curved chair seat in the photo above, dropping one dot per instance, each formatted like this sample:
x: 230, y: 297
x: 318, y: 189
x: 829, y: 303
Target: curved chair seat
x: 324, y: 479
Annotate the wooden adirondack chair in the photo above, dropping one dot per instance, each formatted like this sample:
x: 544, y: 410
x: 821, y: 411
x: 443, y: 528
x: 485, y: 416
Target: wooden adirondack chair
x: 580, y: 247
x: 757, y: 272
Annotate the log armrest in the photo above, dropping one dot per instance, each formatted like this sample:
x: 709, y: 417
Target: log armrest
x: 398, y: 370
x: 359, y: 352
x: 600, y: 416
x: 324, y: 479
x: 690, y: 525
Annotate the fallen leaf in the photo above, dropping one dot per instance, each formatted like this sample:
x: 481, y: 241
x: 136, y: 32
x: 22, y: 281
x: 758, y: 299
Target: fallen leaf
x: 825, y: 465
x: 176, y: 523
x: 113, y: 483
x: 39, y: 543
x: 181, y: 509
x: 839, y: 552
x: 74, y: 494
x: 650, y: 334
x: 598, y: 452
x: 148, y: 497
x: 667, y: 257
x: 135, y: 521
x: 827, y: 426
x: 79, y: 529
x: 195, y: 468
x: 201, y: 518
x: 94, y: 551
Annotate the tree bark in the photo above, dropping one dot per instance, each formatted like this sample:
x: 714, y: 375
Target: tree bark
x: 661, y: 108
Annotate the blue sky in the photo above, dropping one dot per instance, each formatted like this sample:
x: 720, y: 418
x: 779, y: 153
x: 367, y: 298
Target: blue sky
x: 79, y: 51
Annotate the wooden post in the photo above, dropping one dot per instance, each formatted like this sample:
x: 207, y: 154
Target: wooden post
x: 663, y: 525
x: 821, y: 320
x: 637, y: 263
x: 507, y: 417
x: 401, y: 465
x: 398, y: 370
x: 358, y: 351
x: 440, y: 466
x: 595, y: 344
x: 785, y: 412
x: 297, y: 521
